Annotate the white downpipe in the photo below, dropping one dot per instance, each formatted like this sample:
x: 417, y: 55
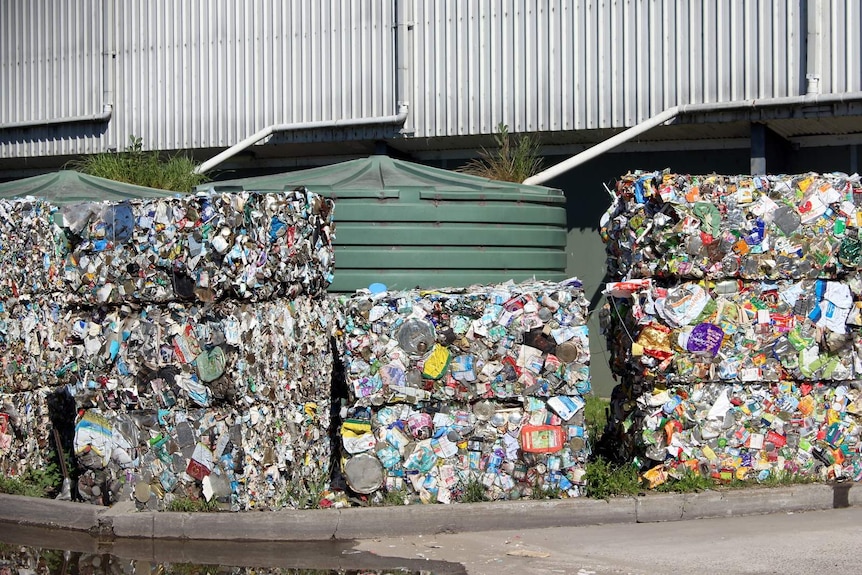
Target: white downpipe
x: 671, y: 113
x: 397, y: 119
x: 814, y: 43
x: 402, y: 76
x: 103, y: 116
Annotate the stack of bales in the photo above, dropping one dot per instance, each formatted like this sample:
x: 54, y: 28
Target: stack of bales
x: 734, y: 324
x: 191, y: 332
x: 458, y: 393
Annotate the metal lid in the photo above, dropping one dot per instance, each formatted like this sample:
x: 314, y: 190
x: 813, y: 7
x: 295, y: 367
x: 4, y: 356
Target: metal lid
x: 567, y: 352
x: 364, y: 473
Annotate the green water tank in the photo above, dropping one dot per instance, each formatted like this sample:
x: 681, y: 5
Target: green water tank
x: 406, y: 225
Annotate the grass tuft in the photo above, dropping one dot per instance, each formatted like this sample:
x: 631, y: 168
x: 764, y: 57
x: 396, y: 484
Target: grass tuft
x: 189, y: 505
x: 605, y: 480
x: 474, y: 492
x: 150, y: 169
x: 688, y: 482
x: 394, y: 498
x: 515, y: 158
x: 41, y: 482
x: 595, y: 417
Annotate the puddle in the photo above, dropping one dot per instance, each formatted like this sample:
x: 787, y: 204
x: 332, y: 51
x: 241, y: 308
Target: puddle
x: 32, y: 551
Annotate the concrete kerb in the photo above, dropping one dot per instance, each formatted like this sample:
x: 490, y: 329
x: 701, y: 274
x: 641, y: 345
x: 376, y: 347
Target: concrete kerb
x: 122, y: 521
x: 432, y: 519
x: 49, y: 513
x: 756, y: 501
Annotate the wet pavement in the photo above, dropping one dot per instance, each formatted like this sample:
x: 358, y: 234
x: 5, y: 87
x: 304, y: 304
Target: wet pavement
x: 62, y: 552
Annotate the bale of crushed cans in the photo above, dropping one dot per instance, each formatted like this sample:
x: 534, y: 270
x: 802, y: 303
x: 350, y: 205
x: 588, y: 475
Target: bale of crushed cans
x: 734, y: 327
x: 214, y: 384
x: 457, y: 392
x: 25, y: 432
x: 719, y: 227
x: 202, y: 247
x: 231, y: 401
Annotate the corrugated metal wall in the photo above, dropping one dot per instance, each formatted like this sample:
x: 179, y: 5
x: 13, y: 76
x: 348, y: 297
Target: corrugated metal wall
x: 841, y: 45
x: 207, y: 73
x: 50, y: 66
x: 191, y: 73
x: 540, y: 65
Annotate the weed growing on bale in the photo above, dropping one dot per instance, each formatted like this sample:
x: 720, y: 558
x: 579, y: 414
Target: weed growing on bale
x: 34, y: 482
x: 605, y: 480
x: 688, y: 482
x: 188, y: 505
x: 474, y: 492
x: 515, y: 158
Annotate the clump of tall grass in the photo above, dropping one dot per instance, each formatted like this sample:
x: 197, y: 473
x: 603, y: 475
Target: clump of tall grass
x: 514, y: 159
x: 143, y: 168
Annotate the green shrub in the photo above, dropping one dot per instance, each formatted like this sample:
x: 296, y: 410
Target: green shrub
x: 150, y: 169
x: 515, y: 158
x: 41, y: 482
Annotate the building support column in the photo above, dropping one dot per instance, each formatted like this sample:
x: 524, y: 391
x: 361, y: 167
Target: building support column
x: 758, y: 149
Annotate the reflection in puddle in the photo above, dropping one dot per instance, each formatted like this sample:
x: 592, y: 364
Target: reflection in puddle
x: 37, y: 551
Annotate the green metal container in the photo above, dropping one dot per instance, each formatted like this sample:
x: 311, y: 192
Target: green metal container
x: 407, y: 225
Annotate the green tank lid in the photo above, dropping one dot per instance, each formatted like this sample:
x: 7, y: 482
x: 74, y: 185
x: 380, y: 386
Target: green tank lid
x: 407, y: 225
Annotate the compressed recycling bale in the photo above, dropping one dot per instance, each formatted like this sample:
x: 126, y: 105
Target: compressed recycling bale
x: 737, y: 431
x: 752, y: 369
x: 447, y: 452
x: 30, y: 248
x: 262, y: 456
x: 502, y: 341
x: 736, y: 331
x: 25, y: 432
x: 202, y: 247
x: 717, y: 227
x: 158, y: 355
x: 248, y: 425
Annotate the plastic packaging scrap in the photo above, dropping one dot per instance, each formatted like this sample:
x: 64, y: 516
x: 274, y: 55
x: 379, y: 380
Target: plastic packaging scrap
x: 246, y: 386
x: 734, y: 324
x: 460, y: 393
x: 444, y: 452
x: 736, y: 331
x: 160, y: 355
x: 25, y: 432
x: 203, y: 247
x: 739, y: 432
x: 717, y: 227
x: 261, y: 456
x: 504, y: 341
x: 197, y: 319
